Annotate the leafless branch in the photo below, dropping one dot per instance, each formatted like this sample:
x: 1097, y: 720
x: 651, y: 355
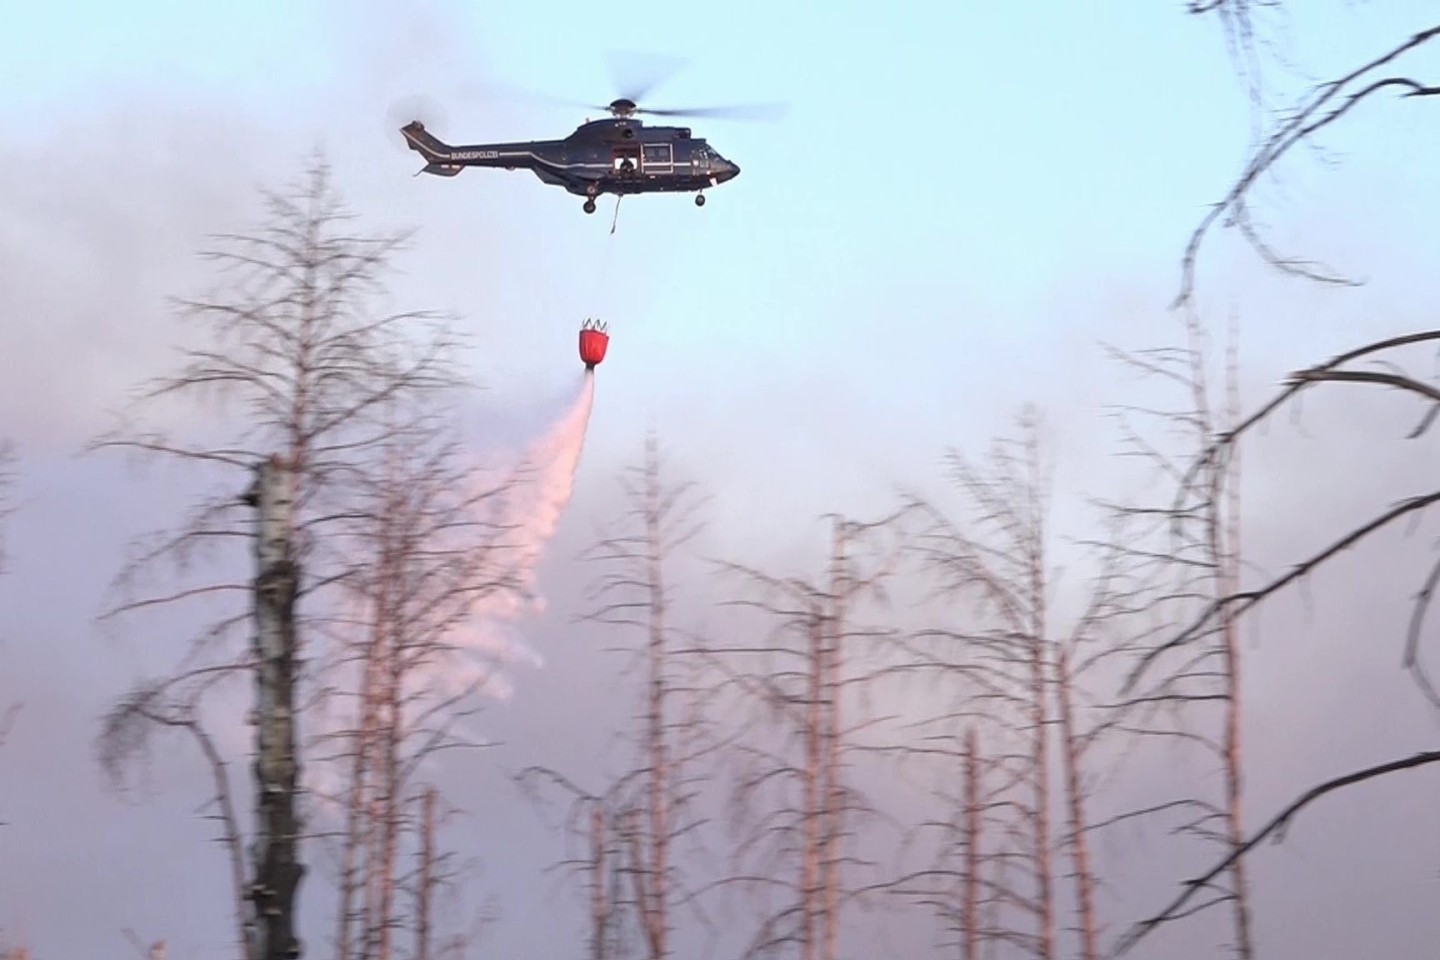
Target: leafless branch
x: 1323, y: 106
x: 1277, y: 827
x: 126, y: 731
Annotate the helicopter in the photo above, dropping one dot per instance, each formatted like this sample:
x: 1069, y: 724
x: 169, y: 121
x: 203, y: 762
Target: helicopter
x: 619, y: 155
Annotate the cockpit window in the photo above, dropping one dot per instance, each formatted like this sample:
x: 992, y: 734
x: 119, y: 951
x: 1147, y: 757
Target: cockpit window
x: 704, y: 157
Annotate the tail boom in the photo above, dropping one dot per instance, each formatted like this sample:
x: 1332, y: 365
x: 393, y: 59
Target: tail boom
x: 444, y: 160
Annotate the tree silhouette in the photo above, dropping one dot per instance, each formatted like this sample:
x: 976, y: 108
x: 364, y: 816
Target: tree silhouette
x: 297, y: 342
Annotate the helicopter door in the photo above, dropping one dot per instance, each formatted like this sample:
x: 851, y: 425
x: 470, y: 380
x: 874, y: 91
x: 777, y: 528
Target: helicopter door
x: 659, y: 157
x: 626, y: 160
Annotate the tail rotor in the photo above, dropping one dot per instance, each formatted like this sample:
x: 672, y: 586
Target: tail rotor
x: 422, y: 107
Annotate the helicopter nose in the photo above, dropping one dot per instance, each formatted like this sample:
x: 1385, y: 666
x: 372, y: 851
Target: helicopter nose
x: 729, y: 171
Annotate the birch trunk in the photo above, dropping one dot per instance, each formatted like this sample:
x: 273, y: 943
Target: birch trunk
x: 277, y: 868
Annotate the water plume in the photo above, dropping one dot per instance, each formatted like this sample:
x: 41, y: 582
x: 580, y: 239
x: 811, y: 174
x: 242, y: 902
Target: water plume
x: 526, y: 512
x: 522, y: 503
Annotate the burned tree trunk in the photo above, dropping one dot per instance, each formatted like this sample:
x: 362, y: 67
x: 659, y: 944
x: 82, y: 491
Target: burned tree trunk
x: 599, y: 901
x: 970, y: 896
x: 1073, y: 756
x: 655, y: 904
x: 424, y: 895
x: 357, y: 809
x: 832, y: 626
x: 1224, y: 532
x: 1039, y: 654
x: 7, y: 457
x: 812, y: 816
x: 277, y: 870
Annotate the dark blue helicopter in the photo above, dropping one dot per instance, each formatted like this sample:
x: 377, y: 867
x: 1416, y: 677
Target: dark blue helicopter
x: 620, y: 155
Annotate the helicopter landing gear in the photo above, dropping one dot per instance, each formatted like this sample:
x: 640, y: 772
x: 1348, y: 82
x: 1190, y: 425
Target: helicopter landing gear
x: 699, y: 199
x: 589, y: 204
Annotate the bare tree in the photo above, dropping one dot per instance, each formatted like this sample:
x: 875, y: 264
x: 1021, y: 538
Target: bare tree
x: 1299, y: 125
x: 953, y: 882
x: 651, y: 807
x: 1005, y: 668
x: 635, y: 593
x: 295, y: 337
x: 1184, y: 543
x: 1011, y: 659
x: 1082, y: 725
x: 127, y: 729
x: 794, y: 811
x: 602, y: 863
x: 427, y: 874
x: 1204, y: 481
x: 412, y: 672
x: 970, y: 839
x: 1227, y: 606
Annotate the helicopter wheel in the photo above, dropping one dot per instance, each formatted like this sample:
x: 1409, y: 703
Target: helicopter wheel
x: 590, y: 206
x: 699, y: 199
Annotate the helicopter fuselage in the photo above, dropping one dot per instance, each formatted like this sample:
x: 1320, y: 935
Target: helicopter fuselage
x: 618, y: 155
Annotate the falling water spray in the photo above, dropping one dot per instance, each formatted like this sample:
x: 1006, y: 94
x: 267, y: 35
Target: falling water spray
x: 529, y: 512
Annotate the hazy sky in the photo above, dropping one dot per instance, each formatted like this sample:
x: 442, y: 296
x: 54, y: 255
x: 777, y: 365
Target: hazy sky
x: 963, y: 200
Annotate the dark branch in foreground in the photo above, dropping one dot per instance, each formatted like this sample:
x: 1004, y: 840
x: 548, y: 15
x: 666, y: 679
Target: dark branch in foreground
x: 1326, y: 104
x: 1277, y: 826
x: 1244, y: 600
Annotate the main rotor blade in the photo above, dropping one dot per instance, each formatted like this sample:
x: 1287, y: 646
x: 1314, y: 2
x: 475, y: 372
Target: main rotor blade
x: 496, y: 91
x: 636, y: 73
x: 745, y: 111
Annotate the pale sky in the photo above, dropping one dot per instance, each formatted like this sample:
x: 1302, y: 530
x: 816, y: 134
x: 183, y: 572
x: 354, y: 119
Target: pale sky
x: 963, y: 200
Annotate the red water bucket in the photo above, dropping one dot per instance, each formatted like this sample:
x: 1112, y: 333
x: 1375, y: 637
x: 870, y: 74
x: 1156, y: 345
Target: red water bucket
x: 593, y: 344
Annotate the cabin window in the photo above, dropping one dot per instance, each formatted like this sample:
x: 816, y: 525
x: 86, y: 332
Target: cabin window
x: 657, y: 153
x: 626, y: 159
